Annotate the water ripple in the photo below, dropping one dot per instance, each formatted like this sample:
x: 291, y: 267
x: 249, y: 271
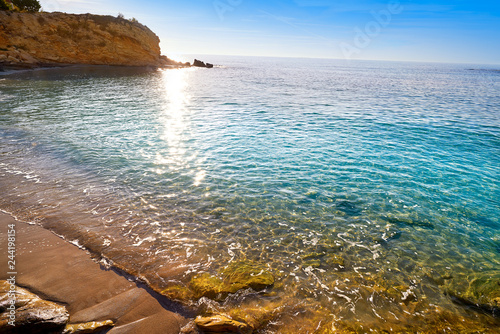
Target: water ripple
x: 361, y: 186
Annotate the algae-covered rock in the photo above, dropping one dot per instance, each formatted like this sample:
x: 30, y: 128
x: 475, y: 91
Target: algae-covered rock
x: 206, y: 285
x: 316, y: 263
x: 178, y: 292
x: 437, y: 277
x: 222, y: 324
x: 481, y: 290
x: 313, y: 255
x: 244, y: 275
x: 30, y: 313
x: 334, y: 260
x: 234, y: 277
x: 410, y: 220
x: 312, y: 259
x: 317, y: 260
x: 88, y: 327
x: 257, y: 316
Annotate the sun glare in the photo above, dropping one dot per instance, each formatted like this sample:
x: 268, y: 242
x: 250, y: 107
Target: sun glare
x: 176, y: 126
x: 179, y: 57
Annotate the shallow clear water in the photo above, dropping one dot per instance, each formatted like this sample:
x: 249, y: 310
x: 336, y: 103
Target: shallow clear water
x: 289, y: 163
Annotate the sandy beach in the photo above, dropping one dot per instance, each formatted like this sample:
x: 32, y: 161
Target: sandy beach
x: 59, y: 271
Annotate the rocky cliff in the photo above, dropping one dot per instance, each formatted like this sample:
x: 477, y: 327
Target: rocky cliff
x: 41, y: 39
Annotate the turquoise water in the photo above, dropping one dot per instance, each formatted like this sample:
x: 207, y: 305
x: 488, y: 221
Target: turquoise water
x: 290, y: 163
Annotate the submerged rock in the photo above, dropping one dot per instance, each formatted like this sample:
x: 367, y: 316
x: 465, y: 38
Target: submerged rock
x: 178, y: 293
x: 410, y: 221
x: 315, y: 263
x: 236, y: 276
x: 206, y: 285
x: 313, y: 255
x: 436, y: 277
x: 32, y: 314
x: 334, y: 260
x: 482, y: 291
x: 257, y: 315
x: 222, y: 324
x: 316, y: 260
x: 244, y: 275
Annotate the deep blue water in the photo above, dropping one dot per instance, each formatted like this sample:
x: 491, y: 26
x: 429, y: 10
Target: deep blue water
x: 394, y: 167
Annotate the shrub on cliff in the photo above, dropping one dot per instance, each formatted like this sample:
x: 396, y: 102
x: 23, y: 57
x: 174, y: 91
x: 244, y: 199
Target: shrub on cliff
x: 4, y: 5
x: 27, y: 5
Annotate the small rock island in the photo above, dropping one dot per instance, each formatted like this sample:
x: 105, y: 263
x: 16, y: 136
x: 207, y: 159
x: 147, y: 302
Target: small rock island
x: 39, y: 39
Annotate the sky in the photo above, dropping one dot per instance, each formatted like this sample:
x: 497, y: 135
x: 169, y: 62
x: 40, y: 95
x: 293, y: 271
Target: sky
x: 430, y: 31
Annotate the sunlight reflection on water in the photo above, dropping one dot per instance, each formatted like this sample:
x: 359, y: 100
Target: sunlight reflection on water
x: 177, y: 127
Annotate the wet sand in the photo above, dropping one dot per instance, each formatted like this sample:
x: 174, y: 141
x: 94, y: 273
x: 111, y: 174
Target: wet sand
x: 59, y: 271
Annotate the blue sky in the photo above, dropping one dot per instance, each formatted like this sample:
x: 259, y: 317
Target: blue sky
x: 438, y: 31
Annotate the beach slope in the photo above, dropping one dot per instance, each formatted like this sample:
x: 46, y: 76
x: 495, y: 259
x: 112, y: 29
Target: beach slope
x: 60, y: 272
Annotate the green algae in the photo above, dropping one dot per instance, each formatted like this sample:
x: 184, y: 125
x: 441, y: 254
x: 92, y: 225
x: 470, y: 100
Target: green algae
x: 256, y: 317
x: 482, y: 291
x: 243, y: 275
x: 315, y: 263
x: 206, y: 285
x: 178, y: 293
x: 230, y: 279
x: 313, y: 255
x: 334, y: 260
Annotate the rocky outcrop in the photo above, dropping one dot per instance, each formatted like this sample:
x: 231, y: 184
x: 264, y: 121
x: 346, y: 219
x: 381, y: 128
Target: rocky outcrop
x: 42, y: 39
x: 28, y: 313
x: 199, y: 63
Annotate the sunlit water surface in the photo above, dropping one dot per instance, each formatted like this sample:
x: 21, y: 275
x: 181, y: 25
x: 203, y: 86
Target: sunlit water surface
x: 364, y: 187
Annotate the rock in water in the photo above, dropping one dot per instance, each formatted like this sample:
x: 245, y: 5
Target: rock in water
x: 480, y: 290
x: 32, y: 314
x: 244, y: 275
x: 206, y: 285
x: 234, y: 277
x: 199, y: 63
x: 221, y: 324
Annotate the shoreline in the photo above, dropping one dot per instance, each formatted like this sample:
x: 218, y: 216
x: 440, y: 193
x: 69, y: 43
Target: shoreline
x: 59, y: 271
x: 6, y: 71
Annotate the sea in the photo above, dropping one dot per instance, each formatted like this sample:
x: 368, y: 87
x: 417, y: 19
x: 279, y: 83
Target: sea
x: 370, y: 190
